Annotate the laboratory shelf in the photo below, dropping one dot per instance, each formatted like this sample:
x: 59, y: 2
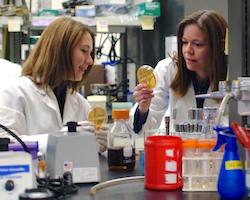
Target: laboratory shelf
x: 114, y: 20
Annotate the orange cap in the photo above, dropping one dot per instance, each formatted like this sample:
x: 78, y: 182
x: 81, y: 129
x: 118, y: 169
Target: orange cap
x: 189, y: 143
x: 205, y: 144
x: 120, y: 114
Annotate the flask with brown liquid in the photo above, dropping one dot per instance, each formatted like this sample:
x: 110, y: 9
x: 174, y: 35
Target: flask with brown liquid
x: 121, y: 143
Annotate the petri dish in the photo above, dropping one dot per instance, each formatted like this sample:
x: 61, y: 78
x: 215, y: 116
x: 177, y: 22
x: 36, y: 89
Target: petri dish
x: 146, y: 75
x: 97, y: 116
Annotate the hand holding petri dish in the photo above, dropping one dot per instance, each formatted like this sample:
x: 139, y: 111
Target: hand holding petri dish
x: 97, y: 116
x: 146, y: 75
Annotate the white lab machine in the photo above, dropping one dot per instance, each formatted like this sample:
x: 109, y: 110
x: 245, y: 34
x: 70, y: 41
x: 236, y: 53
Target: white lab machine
x: 16, y: 174
x: 75, y: 152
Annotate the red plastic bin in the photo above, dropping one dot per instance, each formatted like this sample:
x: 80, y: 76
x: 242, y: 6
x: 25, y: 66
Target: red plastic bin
x: 163, y: 163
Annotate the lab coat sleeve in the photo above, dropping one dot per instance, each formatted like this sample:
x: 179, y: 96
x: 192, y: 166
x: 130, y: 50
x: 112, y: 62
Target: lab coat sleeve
x: 12, y: 111
x: 164, y: 72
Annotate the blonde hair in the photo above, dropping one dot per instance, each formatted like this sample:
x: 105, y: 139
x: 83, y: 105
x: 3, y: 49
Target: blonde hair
x: 50, y: 63
x: 214, y: 26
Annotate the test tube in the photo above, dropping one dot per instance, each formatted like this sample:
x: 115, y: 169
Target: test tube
x: 210, y: 114
x: 189, y: 151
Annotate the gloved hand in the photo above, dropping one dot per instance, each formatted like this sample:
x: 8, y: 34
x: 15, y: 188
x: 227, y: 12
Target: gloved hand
x: 85, y: 126
x: 101, y: 138
x: 101, y: 134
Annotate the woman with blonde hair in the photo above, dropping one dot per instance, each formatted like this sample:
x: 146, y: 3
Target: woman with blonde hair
x: 45, y: 97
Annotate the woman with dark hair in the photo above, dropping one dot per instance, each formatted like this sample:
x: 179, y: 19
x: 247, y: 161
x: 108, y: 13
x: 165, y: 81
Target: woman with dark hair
x: 196, y: 69
x: 45, y: 97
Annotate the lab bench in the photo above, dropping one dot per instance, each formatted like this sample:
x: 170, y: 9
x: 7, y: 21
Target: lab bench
x: 134, y: 190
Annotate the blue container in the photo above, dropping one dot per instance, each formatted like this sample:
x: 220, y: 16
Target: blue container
x: 231, y: 181
x: 142, y: 162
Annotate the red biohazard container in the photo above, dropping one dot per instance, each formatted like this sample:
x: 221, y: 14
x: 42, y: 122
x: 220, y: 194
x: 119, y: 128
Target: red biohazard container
x: 163, y: 163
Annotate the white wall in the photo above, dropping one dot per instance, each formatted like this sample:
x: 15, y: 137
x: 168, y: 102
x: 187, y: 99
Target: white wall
x: 220, y: 6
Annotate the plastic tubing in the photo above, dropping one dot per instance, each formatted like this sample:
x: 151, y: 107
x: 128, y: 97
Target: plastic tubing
x: 222, y: 107
x: 117, y: 181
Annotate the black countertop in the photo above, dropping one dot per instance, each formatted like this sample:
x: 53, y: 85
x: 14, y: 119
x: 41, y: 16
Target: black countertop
x: 134, y: 190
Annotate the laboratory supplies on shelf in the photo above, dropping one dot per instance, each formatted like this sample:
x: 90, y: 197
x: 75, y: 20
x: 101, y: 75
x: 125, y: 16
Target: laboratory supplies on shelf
x: 121, y: 142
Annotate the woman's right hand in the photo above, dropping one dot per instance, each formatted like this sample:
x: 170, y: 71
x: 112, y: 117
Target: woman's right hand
x: 143, y: 95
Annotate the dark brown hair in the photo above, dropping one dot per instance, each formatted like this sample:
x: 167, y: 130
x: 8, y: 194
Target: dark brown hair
x: 50, y: 63
x: 214, y: 26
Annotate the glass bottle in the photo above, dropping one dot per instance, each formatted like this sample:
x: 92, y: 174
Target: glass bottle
x: 121, y: 143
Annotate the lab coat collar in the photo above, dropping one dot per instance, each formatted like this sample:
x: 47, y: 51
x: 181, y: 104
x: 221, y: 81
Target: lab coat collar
x: 49, y: 99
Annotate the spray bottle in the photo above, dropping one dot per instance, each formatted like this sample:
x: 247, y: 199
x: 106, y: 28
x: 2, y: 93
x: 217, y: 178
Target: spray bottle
x: 231, y: 180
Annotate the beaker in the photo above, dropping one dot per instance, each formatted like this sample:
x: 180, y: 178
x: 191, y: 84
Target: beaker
x: 189, y: 151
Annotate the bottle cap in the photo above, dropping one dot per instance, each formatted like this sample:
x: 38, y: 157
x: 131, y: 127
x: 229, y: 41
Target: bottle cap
x: 189, y: 143
x: 205, y: 144
x: 71, y: 126
x: 120, y: 114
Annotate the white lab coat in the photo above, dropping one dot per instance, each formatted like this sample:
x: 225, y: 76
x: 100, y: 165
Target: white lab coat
x: 28, y: 110
x: 165, y: 102
x: 9, y: 72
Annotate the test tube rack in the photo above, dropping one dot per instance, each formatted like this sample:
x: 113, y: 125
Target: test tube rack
x: 200, y: 168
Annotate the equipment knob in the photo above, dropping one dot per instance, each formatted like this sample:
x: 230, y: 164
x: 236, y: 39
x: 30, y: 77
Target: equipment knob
x: 9, y: 185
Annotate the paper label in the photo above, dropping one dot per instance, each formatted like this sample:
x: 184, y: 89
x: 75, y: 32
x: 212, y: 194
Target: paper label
x: 14, y: 24
x: 171, y: 166
x: 67, y: 166
x: 121, y: 142
x: 169, y: 152
x: 127, y: 151
x: 170, y: 178
x: 233, y: 164
x: 147, y: 23
x: 8, y: 170
x: 102, y: 26
x: 85, y: 174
